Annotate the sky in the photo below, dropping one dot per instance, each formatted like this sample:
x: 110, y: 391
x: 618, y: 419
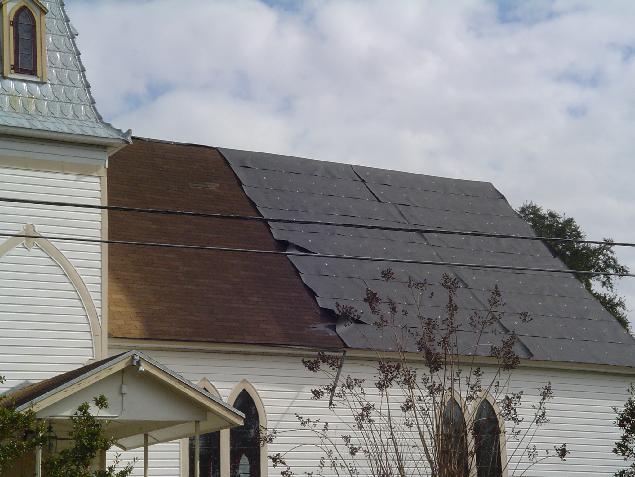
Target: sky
x: 537, y: 97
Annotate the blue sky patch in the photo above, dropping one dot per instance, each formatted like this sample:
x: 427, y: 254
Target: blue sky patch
x: 628, y: 52
x: 524, y: 12
x: 584, y: 79
x: 153, y: 91
x: 292, y: 6
x: 577, y: 111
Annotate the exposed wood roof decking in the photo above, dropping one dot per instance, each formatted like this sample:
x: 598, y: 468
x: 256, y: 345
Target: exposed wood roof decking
x: 191, y: 295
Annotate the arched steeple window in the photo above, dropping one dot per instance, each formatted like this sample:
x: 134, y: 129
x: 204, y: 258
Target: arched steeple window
x: 487, y: 441
x: 25, y: 42
x: 452, y: 442
x: 245, y: 448
x: 23, y: 36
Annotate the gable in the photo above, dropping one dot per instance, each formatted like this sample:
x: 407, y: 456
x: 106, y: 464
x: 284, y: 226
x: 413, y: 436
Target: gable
x: 129, y: 381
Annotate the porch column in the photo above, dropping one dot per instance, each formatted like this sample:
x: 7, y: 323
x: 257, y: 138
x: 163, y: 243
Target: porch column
x: 38, y: 461
x: 197, y: 449
x: 145, y: 455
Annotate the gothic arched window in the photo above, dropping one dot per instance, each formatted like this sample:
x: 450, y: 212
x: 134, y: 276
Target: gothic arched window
x: 487, y: 441
x: 452, y: 445
x: 245, y: 440
x: 25, y: 42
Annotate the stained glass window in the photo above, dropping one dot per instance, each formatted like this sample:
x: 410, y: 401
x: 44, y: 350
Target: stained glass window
x: 25, y: 42
x: 210, y: 455
x: 452, y: 445
x: 487, y: 441
x: 245, y: 440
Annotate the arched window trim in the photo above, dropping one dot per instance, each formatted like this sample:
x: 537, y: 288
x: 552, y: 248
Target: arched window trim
x: 502, y: 440
x: 225, y: 448
x: 209, y: 387
x: 466, y: 412
x: 465, y: 409
x: 38, y: 10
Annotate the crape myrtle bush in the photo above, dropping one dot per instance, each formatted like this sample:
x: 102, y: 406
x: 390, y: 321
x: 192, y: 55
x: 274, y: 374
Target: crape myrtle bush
x: 414, y: 417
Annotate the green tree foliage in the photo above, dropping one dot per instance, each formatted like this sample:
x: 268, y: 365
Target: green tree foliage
x: 625, y: 447
x: 21, y: 433
x: 576, y: 256
x: 89, y: 439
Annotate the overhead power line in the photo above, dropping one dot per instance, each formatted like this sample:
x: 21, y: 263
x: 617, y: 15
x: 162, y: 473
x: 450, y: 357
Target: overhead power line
x: 255, y: 218
x: 346, y: 257
x: 292, y: 253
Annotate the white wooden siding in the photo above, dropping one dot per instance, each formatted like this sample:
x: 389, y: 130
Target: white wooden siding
x: 28, y: 150
x: 44, y: 329
x: 580, y: 414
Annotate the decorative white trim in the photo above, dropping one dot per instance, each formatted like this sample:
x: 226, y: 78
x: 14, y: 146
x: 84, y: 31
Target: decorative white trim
x: 111, y: 144
x: 209, y: 387
x: 31, y: 238
x: 469, y: 416
x: 225, y: 445
x: 103, y: 185
x: 453, y: 394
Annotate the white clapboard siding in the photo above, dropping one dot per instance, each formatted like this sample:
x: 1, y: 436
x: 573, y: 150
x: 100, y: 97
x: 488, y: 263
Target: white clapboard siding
x: 580, y: 414
x: 27, y: 150
x: 55, y: 220
x: 44, y: 328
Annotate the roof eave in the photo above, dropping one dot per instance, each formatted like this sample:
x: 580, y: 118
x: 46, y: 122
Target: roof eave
x: 112, y: 145
x: 355, y: 353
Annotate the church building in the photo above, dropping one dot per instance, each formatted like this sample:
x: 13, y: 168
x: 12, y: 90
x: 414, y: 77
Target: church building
x: 191, y: 283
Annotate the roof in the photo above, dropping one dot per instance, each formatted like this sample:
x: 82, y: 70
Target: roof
x: 27, y: 396
x: 60, y: 395
x: 190, y: 295
x: 567, y: 323
x: 22, y: 396
x: 64, y: 103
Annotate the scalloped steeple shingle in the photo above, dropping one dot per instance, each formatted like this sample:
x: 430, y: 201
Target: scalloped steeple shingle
x: 62, y: 104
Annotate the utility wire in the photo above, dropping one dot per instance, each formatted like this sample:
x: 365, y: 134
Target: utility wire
x: 293, y: 253
x: 255, y: 218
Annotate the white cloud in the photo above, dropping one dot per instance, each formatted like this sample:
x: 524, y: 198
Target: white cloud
x: 542, y: 104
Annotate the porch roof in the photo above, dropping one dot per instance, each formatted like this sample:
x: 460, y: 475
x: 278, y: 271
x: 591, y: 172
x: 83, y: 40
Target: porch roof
x: 144, y: 398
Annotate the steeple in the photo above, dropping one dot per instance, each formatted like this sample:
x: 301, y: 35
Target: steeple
x: 43, y: 90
